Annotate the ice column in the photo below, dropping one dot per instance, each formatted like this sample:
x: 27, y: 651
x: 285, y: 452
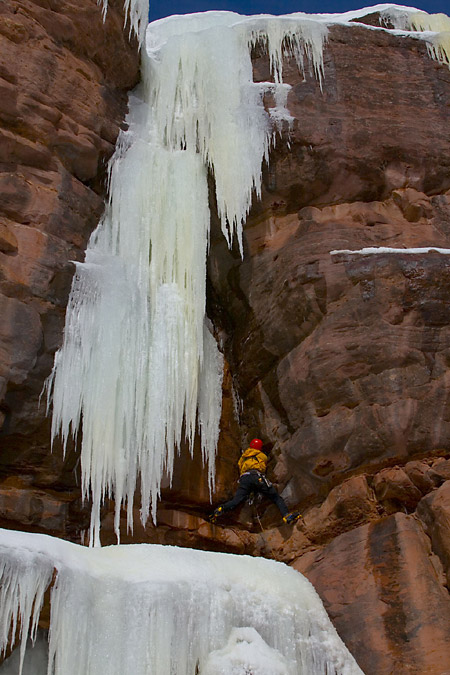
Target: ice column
x: 139, y: 369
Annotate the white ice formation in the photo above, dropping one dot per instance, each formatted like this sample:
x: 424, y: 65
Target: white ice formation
x: 433, y: 28
x: 136, y: 16
x: 160, y: 610
x: 35, y: 661
x: 139, y: 369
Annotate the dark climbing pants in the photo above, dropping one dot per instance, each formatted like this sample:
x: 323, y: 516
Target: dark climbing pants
x: 254, y: 481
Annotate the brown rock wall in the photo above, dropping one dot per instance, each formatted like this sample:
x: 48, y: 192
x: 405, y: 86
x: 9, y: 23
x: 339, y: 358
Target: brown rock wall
x: 434, y: 512
x: 339, y: 361
x: 347, y: 505
x: 64, y: 76
x: 393, y: 486
x: 389, y: 606
x: 342, y: 361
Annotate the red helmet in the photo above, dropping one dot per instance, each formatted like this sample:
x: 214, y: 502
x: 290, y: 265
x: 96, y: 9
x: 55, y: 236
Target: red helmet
x: 256, y: 443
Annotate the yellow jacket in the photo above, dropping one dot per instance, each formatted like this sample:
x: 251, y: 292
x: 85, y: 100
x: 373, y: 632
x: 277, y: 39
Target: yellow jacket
x: 252, y: 459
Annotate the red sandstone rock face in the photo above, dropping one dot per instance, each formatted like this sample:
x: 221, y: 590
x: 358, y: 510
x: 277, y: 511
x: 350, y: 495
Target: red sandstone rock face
x: 341, y: 361
x: 63, y: 82
x: 344, y: 359
x: 389, y: 606
x: 434, y: 512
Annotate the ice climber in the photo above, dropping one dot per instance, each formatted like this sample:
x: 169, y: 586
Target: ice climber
x: 252, y: 468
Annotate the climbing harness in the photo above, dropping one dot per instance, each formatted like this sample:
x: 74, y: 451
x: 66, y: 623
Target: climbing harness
x: 254, y: 497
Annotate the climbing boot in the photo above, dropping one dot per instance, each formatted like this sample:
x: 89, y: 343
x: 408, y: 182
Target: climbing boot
x: 215, y: 514
x: 291, y: 518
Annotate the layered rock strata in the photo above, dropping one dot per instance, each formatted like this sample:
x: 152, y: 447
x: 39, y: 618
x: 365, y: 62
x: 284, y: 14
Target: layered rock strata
x: 64, y: 76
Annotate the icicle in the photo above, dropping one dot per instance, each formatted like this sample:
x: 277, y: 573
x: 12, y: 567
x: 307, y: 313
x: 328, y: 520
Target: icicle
x: 437, y: 23
x: 210, y: 401
x: 24, y: 577
x: 291, y: 37
x: 212, y: 106
x: 136, y: 13
x: 148, y: 609
x: 279, y: 114
x: 133, y: 344
x: 35, y: 661
x: 438, y: 44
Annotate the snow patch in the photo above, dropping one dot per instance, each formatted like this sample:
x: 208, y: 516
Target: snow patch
x: 245, y: 652
x: 386, y: 249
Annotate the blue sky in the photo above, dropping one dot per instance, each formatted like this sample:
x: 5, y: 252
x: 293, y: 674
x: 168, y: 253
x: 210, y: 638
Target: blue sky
x: 160, y: 8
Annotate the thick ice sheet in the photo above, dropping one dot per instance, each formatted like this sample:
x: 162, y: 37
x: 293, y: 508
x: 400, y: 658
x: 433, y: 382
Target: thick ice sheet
x: 155, y: 610
x: 35, y: 661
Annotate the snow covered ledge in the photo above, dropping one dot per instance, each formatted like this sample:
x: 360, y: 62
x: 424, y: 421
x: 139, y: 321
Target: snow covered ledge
x: 149, y: 609
x: 371, y: 250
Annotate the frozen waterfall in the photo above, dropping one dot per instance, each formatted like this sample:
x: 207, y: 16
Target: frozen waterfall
x: 139, y: 370
x: 162, y: 610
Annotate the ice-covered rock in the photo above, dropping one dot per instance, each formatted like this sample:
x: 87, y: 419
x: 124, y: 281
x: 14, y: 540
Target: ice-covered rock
x: 148, y: 609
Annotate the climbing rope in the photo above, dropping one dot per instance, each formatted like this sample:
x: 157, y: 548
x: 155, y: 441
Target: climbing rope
x: 266, y: 543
